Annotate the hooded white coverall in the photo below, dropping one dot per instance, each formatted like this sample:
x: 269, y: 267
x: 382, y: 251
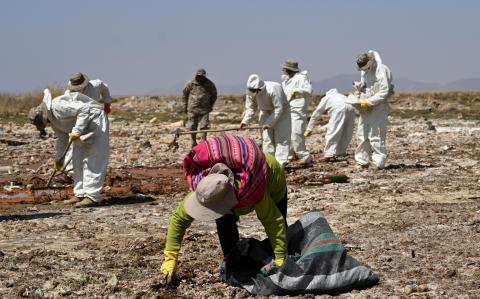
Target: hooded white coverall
x: 372, y: 126
x: 275, y: 112
x: 341, y: 123
x: 74, y: 111
x: 300, y: 84
x: 97, y: 90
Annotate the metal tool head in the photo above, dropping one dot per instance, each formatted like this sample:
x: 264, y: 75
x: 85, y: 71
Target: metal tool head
x: 174, y: 144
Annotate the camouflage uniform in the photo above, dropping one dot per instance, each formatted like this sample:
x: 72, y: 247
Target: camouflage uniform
x: 198, y: 100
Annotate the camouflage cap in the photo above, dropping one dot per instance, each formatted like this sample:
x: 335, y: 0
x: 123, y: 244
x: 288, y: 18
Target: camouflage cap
x: 201, y: 72
x: 364, y: 61
x: 38, y: 116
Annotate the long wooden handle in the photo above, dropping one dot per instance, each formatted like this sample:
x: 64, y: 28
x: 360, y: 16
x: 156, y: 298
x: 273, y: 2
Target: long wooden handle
x: 219, y: 130
x: 61, y: 158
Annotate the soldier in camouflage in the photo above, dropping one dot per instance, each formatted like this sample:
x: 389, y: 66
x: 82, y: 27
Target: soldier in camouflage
x: 199, y: 96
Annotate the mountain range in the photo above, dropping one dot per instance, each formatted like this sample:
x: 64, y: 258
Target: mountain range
x: 344, y: 84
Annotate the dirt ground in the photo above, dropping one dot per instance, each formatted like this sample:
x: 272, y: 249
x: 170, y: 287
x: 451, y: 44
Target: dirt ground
x: 416, y: 223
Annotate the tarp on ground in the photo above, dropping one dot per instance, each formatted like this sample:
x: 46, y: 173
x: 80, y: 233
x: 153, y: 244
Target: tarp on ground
x: 317, y: 263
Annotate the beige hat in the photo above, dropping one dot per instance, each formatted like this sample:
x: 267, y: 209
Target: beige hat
x: 212, y: 199
x: 78, y: 82
x: 38, y: 116
x: 291, y: 65
x: 364, y: 61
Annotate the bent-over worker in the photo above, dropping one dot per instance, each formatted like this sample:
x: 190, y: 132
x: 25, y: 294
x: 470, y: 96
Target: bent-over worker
x: 340, y: 125
x: 72, y: 115
x: 95, y: 89
x: 223, y: 194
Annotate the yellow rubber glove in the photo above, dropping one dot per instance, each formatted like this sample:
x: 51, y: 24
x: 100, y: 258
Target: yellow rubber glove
x: 169, y: 265
x: 364, y: 103
x: 307, y: 133
x: 293, y: 94
x: 74, y: 135
x: 279, y: 261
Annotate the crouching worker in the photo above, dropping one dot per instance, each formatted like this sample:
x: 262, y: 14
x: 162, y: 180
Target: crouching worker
x: 225, y: 192
x: 77, y: 117
x: 340, y: 126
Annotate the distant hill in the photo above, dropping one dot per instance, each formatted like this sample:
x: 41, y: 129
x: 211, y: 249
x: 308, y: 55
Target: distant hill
x: 465, y: 84
x: 344, y: 84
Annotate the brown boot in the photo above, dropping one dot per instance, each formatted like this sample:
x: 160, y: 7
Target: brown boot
x: 86, y: 202
x: 72, y: 200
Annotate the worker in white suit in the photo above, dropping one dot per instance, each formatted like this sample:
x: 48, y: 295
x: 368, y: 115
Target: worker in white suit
x: 269, y: 98
x: 95, y: 89
x: 71, y: 116
x: 376, y: 89
x: 298, y: 90
x: 340, y: 125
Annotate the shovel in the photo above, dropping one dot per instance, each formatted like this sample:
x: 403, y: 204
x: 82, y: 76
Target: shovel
x: 177, y: 132
x: 64, y: 164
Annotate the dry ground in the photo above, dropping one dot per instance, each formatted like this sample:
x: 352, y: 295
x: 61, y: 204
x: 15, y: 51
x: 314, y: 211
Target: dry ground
x: 416, y: 223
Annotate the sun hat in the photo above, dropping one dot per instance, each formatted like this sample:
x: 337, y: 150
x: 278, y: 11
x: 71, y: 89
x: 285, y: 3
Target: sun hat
x: 213, y: 198
x: 38, y: 116
x: 364, y: 61
x: 291, y: 65
x: 77, y: 82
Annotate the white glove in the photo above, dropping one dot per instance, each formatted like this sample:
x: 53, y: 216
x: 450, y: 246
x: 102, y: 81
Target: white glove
x: 47, y: 98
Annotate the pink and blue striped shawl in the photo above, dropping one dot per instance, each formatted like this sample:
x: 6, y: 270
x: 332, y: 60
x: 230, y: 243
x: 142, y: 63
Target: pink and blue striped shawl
x: 240, y: 154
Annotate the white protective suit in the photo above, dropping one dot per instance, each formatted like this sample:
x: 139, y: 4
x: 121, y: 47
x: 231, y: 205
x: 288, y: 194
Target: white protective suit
x: 97, y: 90
x: 300, y: 84
x: 341, y: 123
x: 372, y: 126
x: 74, y: 111
x: 275, y: 112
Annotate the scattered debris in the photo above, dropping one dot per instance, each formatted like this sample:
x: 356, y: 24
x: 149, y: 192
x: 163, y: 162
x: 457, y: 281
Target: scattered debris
x: 12, y: 142
x: 426, y: 205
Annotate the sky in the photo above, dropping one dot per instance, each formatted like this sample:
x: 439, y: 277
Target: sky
x: 139, y: 46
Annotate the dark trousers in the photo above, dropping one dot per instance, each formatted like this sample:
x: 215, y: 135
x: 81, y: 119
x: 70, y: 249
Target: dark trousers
x: 227, y: 229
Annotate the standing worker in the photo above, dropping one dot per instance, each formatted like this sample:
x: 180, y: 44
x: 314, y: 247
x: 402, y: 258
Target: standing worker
x: 340, y: 125
x: 274, y: 117
x: 199, y: 96
x: 95, y: 89
x: 376, y: 77
x: 298, y: 89
x: 226, y: 191
x: 72, y: 115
